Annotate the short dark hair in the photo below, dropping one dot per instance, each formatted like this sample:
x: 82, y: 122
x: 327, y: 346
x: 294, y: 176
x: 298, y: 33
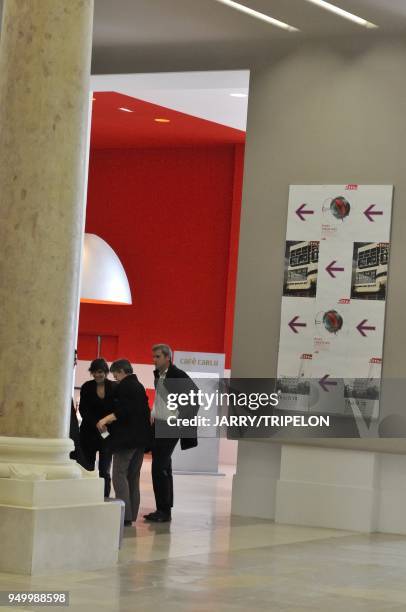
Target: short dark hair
x: 121, y: 364
x: 99, y: 364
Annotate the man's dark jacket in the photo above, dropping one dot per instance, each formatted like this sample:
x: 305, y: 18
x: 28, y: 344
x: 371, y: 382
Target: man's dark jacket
x: 173, y: 384
x: 133, y: 426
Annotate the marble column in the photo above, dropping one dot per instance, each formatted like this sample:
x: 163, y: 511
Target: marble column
x: 45, y: 52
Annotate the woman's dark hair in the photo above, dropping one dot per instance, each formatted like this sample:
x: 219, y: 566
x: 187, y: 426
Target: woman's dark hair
x: 99, y: 364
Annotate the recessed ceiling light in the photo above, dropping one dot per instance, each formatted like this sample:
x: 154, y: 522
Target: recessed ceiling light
x: 342, y: 13
x: 126, y: 110
x: 244, y: 9
x: 162, y: 120
x: 239, y: 95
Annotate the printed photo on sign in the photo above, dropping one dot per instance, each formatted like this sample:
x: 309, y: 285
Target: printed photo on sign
x: 301, y: 265
x: 294, y: 391
x: 369, y: 270
x: 363, y: 393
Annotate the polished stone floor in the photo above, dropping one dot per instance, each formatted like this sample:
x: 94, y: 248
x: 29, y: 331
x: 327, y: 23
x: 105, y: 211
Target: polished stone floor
x: 204, y: 561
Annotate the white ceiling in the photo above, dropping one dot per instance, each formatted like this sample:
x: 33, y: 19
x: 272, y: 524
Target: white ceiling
x: 160, y: 35
x: 133, y: 36
x: 207, y: 21
x: 201, y: 94
x: 153, y: 35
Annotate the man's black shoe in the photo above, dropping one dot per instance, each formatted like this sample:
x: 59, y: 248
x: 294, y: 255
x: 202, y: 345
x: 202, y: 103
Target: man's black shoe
x: 128, y: 523
x: 158, y: 517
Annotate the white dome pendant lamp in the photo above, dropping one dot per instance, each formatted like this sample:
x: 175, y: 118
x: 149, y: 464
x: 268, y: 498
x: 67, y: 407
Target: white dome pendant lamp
x: 104, y: 280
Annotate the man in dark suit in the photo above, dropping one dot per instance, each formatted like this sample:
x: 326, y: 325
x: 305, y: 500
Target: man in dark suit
x: 130, y: 433
x: 168, y: 379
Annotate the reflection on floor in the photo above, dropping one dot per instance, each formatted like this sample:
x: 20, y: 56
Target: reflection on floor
x: 206, y: 561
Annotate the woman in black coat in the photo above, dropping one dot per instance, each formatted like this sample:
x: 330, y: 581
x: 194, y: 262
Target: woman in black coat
x: 96, y: 401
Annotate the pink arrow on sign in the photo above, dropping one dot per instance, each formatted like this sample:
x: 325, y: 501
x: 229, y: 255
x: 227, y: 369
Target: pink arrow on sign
x: 301, y: 211
x: 331, y: 269
x: 293, y: 324
x: 369, y: 212
x: 323, y: 382
x: 362, y: 328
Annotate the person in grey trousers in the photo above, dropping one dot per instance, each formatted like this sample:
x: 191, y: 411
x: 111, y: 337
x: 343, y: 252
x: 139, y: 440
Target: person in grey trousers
x: 129, y: 426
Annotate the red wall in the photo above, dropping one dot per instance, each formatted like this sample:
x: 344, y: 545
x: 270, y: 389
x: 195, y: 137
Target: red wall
x: 172, y: 216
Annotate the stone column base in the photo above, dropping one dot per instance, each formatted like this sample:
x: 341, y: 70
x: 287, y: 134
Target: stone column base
x: 37, y: 459
x: 52, y: 513
x: 45, y: 540
x: 326, y: 487
x: 391, y: 477
x: 254, y: 484
x: 353, y: 490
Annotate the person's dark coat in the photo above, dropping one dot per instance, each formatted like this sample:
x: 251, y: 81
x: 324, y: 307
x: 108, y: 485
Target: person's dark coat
x: 74, y: 432
x: 77, y: 454
x: 133, y: 426
x: 177, y: 381
x: 92, y: 408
